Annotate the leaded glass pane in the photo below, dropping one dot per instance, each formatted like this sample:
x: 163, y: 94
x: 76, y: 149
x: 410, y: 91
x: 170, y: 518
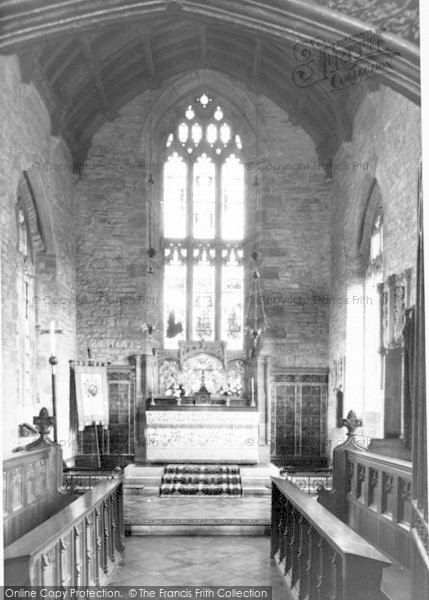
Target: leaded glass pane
x: 377, y: 238
x: 204, y: 100
x: 174, y: 300
x: 204, y: 300
x: 197, y: 133
x: 232, y: 199
x: 232, y: 304
x: 183, y: 132
x: 204, y: 198
x: 189, y: 114
x: 175, y: 178
x: 225, y: 133
x: 211, y: 133
x: 218, y: 115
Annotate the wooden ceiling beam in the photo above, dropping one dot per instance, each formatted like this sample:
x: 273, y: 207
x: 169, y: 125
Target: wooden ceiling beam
x: 95, y: 71
x: 257, y: 57
x: 147, y: 51
x: 32, y: 71
x: 203, y: 42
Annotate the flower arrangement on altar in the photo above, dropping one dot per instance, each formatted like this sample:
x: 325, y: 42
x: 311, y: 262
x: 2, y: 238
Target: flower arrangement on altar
x: 231, y: 390
x: 175, y: 390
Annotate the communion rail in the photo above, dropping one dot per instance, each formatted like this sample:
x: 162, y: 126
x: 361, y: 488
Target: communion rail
x: 308, y: 482
x: 319, y: 556
x: 79, y: 481
x: 78, y: 546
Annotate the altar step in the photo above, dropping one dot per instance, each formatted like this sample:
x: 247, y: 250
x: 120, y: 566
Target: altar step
x: 201, y: 480
x: 198, y: 529
x: 255, y: 481
x: 179, y: 515
x: 142, y: 480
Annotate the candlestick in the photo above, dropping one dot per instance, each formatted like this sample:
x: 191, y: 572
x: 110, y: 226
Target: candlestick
x: 52, y: 337
x: 53, y: 361
x: 152, y: 401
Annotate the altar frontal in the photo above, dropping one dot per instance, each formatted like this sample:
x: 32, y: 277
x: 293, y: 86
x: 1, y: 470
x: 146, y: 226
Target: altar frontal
x: 202, y: 435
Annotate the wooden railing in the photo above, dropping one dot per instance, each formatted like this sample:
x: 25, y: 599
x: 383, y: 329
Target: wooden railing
x: 318, y: 554
x: 78, y: 546
x: 379, y: 498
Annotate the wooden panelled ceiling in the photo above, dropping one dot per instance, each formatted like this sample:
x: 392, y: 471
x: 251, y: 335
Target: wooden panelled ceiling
x: 88, y: 58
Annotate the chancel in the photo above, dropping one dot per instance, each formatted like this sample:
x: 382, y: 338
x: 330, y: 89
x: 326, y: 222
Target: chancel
x: 213, y: 349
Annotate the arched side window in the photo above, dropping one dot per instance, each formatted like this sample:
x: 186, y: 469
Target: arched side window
x: 26, y: 332
x: 203, y: 228
x: 376, y: 243
x: 373, y: 356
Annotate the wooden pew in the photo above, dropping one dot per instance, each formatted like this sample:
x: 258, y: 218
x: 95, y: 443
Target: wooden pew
x: 318, y: 554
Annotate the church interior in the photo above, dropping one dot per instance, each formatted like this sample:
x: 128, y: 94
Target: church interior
x: 213, y: 354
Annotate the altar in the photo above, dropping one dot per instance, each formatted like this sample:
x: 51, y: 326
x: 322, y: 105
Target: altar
x: 202, y: 406
x: 202, y: 434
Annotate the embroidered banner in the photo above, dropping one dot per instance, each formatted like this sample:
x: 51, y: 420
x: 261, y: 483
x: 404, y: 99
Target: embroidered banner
x: 92, y: 395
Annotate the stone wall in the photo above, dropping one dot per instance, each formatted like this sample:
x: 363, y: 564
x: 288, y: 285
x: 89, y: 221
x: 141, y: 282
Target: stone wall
x: 294, y: 244
x: 116, y: 294
x: 385, y: 147
x: 27, y: 146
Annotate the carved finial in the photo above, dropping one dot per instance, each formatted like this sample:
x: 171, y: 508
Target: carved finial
x: 44, y: 422
x: 352, y: 423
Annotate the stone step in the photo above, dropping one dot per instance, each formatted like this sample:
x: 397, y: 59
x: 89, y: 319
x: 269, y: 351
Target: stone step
x: 193, y: 529
x: 149, y: 480
x: 146, y: 480
x: 142, y: 490
x: 259, y: 490
x: 257, y: 482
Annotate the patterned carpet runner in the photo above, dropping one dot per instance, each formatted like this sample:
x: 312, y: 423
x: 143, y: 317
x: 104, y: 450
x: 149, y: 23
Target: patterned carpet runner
x: 210, y: 480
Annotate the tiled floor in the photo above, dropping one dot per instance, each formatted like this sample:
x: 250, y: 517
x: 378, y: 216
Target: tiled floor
x: 216, y: 560
x: 141, y: 510
x: 171, y: 561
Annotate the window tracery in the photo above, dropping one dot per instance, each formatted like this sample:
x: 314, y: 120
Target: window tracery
x: 203, y: 228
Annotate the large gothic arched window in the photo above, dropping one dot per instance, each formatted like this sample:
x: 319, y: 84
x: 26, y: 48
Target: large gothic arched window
x: 203, y: 228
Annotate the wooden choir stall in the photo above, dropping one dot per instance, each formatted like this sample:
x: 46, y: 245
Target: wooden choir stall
x: 54, y: 536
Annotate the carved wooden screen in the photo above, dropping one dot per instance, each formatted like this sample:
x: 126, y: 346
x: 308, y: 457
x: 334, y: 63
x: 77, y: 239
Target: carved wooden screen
x: 298, y: 416
x: 121, y: 410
